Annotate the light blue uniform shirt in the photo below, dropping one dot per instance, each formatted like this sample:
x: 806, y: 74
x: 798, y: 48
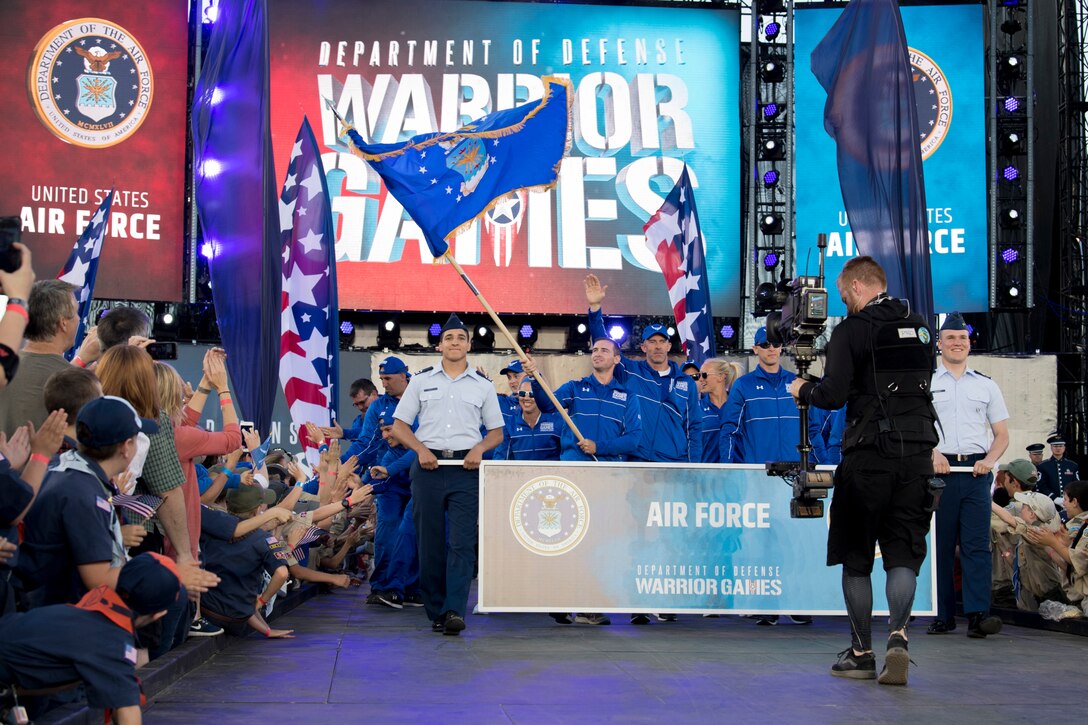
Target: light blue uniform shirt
x: 966, y: 409
x: 450, y: 410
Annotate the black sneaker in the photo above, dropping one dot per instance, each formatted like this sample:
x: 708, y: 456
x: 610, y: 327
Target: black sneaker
x: 592, y: 618
x: 372, y: 598
x: 390, y: 599
x: 854, y: 666
x: 439, y: 625
x: 640, y: 619
x: 896, y: 662
x: 562, y: 617
x: 666, y: 617
x: 799, y: 618
x: 412, y: 600
x: 939, y: 626
x: 453, y: 623
x: 979, y: 625
x: 767, y: 620
x: 203, y: 628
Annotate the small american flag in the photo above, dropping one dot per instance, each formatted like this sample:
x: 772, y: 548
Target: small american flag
x: 144, y: 506
x: 309, y: 338
x: 673, y: 237
x: 81, y: 269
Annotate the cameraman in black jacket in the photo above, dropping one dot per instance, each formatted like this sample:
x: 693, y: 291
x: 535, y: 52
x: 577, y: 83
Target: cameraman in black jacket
x: 879, y: 362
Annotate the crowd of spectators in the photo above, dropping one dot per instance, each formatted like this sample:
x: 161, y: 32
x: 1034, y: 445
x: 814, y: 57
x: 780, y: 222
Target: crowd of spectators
x: 116, y: 501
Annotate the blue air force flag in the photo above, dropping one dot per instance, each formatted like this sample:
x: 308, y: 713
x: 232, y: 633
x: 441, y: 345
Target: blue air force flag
x: 446, y: 180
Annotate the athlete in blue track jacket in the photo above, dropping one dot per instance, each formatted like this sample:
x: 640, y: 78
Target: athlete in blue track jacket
x: 530, y: 435
x: 760, y: 421
x: 606, y: 413
x: 668, y: 399
x: 825, y: 433
x: 368, y: 444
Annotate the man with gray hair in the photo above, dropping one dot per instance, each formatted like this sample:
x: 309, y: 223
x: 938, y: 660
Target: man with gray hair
x: 54, y: 320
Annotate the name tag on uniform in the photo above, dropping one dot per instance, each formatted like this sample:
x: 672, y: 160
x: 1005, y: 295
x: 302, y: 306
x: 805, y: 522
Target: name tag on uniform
x: 682, y: 385
x: 619, y: 395
x: 907, y: 332
x: 547, y: 427
x: 102, y: 503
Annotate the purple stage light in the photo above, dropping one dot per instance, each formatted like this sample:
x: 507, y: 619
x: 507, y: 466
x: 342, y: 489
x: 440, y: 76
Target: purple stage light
x: 617, y: 332
x: 1012, y: 104
x: 728, y: 332
x: 770, y: 178
x: 218, y: 94
x: 970, y: 330
x: 526, y: 331
x: 770, y: 110
x: 211, y: 168
x: 770, y: 260
x: 1011, y: 173
x: 435, y: 330
x: 1010, y: 255
x: 207, y: 250
x: 772, y: 30
x: 346, y: 328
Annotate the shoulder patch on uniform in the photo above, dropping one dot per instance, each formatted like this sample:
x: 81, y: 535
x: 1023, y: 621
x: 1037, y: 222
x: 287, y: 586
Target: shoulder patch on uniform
x: 426, y: 370
x: 981, y: 375
x: 130, y: 653
x: 102, y: 503
x: 923, y: 335
x: 481, y: 375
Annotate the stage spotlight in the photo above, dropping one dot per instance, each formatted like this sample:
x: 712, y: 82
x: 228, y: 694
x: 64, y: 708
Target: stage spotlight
x: 1011, y: 104
x: 772, y: 150
x: 773, y: 71
x: 1011, y: 144
x: 1011, y: 26
x: 1011, y: 218
x: 347, y: 334
x: 388, y: 334
x: 767, y: 298
x: 578, y: 338
x: 483, y: 339
x: 618, y: 333
x: 773, y: 29
x: 1010, y: 173
x: 434, y: 333
x: 166, y: 321
x: 770, y: 261
x: 1010, y: 69
x: 769, y: 7
x: 771, y: 111
x: 527, y: 336
x: 1010, y: 255
x: 770, y: 179
x: 771, y: 223
x: 1011, y: 294
x: 727, y: 332
x: 210, y: 11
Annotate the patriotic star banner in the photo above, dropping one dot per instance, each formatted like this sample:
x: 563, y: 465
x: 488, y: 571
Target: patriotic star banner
x: 673, y: 236
x: 946, y: 61
x: 446, y: 180
x: 658, y: 537
x: 653, y: 88
x: 309, y: 339
x: 81, y: 269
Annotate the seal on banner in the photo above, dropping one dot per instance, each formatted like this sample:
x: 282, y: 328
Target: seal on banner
x: 933, y: 98
x: 549, y: 515
x: 90, y: 82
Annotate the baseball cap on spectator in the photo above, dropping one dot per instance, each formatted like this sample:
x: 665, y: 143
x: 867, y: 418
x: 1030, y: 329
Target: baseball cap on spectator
x: 1023, y: 471
x: 761, y: 336
x: 108, y: 420
x: 392, y: 365
x: 149, y: 583
x: 513, y: 367
x: 1039, y: 503
x: 689, y: 365
x: 654, y: 329
x: 246, y: 498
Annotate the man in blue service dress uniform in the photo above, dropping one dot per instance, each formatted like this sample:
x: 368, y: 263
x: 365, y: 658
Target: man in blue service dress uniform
x: 451, y: 402
x: 1056, y: 472
x: 974, y: 434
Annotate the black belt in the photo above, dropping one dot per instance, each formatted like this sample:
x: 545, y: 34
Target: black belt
x: 964, y: 457
x: 449, y: 454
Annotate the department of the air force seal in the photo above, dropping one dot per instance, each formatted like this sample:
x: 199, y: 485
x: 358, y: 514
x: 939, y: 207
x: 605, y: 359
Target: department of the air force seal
x: 90, y: 82
x: 933, y: 98
x: 549, y: 515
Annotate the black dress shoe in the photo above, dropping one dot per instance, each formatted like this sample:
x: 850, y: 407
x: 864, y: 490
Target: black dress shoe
x: 979, y: 625
x: 454, y: 624
x: 939, y: 626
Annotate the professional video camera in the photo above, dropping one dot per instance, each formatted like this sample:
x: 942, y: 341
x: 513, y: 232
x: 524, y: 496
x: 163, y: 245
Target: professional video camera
x: 797, y: 325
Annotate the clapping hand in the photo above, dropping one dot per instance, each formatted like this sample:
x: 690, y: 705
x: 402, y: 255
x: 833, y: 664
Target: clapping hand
x: 47, y: 439
x: 17, y: 448
x: 315, y: 435
x: 252, y: 439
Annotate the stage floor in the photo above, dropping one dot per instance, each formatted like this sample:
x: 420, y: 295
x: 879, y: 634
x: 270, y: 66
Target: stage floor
x: 354, y: 663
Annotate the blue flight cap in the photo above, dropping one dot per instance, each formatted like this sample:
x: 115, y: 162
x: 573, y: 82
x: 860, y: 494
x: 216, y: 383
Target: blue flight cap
x: 655, y: 329
x: 954, y: 321
x: 392, y: 365
x: 454, y: 323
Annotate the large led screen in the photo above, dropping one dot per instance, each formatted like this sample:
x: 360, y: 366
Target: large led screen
x: 94, y: 99
x: 656, y: 87
x: 948, y: 59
